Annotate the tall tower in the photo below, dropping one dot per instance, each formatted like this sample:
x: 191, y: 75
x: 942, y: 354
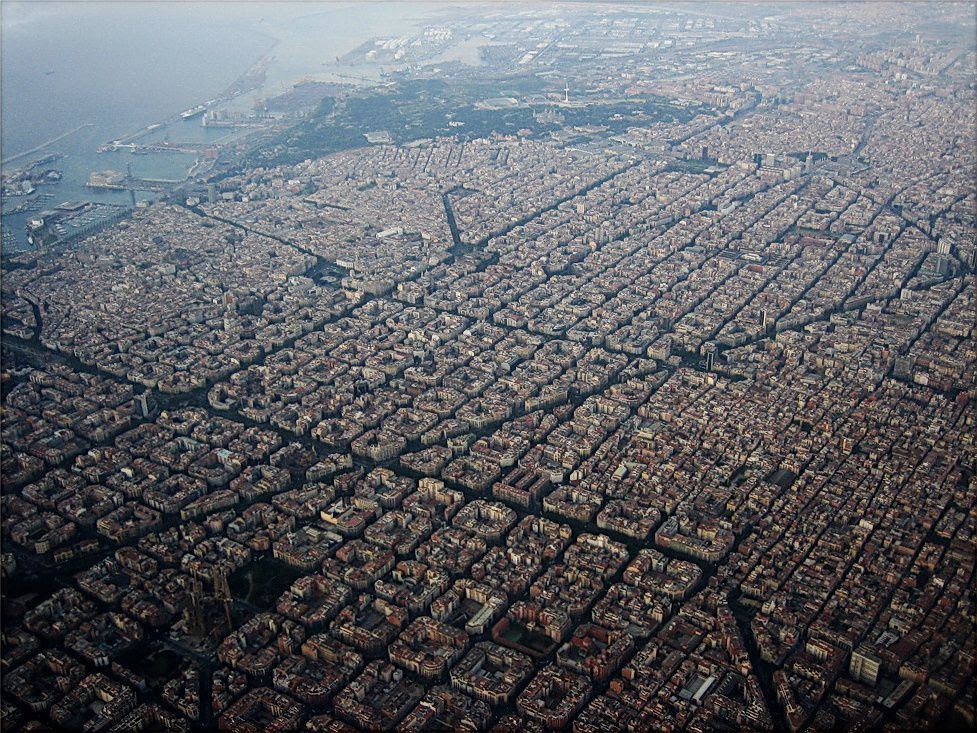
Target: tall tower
x: 222, y: 591
x: 196, y: 621
x: 708, y: 349
x: 142, y: 404
x: 566, y: 92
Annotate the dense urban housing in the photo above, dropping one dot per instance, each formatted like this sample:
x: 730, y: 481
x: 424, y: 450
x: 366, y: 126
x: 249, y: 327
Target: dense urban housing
x: 622, y: 378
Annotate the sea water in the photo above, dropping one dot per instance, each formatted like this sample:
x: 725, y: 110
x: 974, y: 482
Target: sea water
x: 117, y: 67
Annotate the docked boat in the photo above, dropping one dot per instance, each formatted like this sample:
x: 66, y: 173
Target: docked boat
x: 194, y: 111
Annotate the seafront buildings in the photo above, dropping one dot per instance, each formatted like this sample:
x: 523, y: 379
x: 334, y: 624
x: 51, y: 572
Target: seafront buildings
x: 665, y: 427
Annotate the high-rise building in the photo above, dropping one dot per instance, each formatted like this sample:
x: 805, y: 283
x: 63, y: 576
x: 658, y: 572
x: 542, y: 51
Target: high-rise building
x: 937, y: 264
x: 142, y: 404
x: 864, y: 666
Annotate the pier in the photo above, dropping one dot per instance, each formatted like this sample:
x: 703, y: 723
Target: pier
x: 155, y: 185
x: 43, y: 145
x: 161, y: 147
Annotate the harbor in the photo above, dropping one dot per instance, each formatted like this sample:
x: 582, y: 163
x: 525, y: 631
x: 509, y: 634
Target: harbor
x: 70, y: 220
x: 178, y: 133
